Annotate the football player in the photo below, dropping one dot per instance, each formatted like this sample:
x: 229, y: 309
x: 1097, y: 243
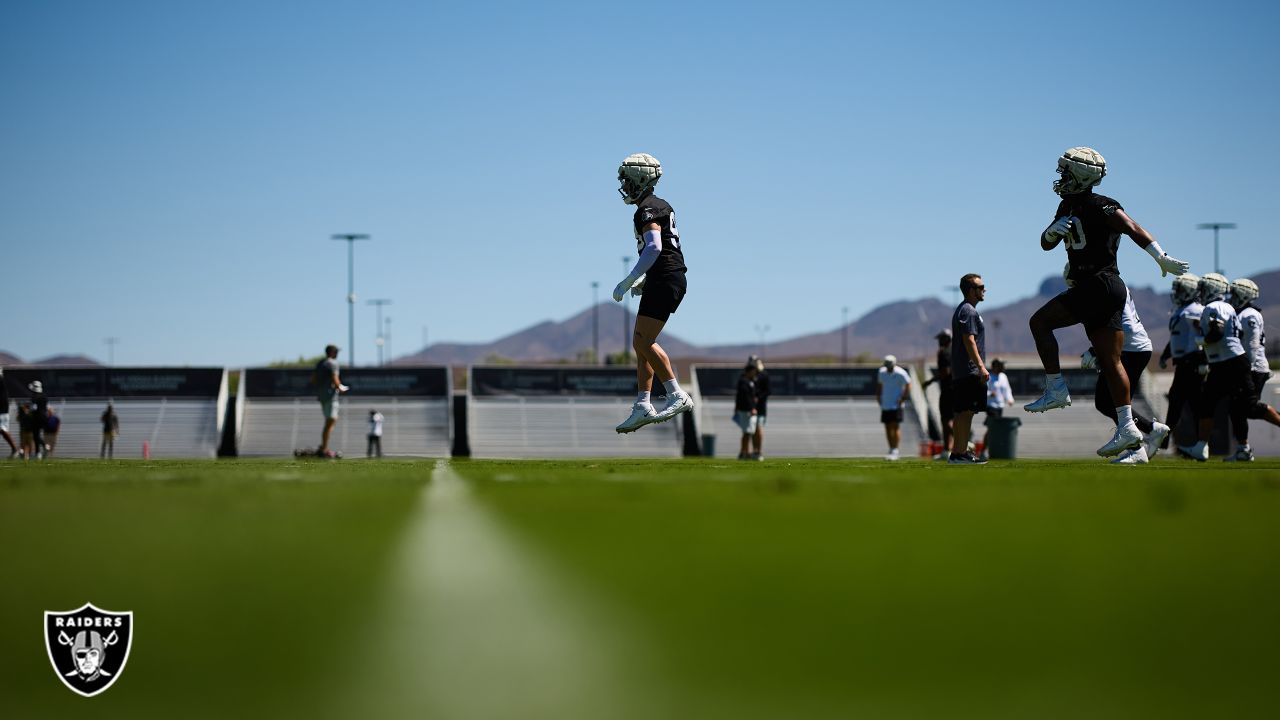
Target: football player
x: 1134, y: 356
x: 1228, y: 370
x: 1244, y: 292
x: 1090, y: 225
x: 1184, y: 349
x: 658, y: 278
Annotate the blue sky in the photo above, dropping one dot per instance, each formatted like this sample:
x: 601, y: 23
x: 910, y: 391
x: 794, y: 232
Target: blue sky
x: 171, y: 171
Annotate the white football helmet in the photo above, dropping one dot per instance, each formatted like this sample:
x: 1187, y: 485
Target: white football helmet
x: 1079, y: 169
x: 1213, y: 287
x: 1186, y: 289
x: 1243, y: 292
x: 637, y: 175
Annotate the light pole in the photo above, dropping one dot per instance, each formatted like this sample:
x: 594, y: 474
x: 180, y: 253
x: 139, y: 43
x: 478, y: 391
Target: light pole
x: 762, y: 330
x: 844, y: 336
x: 111, y: 350
x: 380, y: 341
x: 387, y: 335
x: 626, y: 314
x: 955, y: 293
x: 351, y: 239
x: 595, y: 322
x: 1215, y: 227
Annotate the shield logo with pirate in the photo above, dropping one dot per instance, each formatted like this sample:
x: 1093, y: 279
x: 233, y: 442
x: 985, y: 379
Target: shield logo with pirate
x: 88, y: 647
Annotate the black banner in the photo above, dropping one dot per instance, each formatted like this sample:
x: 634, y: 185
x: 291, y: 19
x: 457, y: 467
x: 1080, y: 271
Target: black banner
x: 378, y: 382
x: 115, y: 382
x: 812, y: 381
x: 568, y: 380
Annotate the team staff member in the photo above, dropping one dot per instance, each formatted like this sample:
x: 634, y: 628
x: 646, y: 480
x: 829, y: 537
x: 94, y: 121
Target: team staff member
x: 328, y: 387
x: 745, y: 408
x: 999, y: 397
x: 968, y: 370
x: 659, y: 278
x: 1184, y: 349
x: 762, y: 407
x: 892, y: 385
x: 1091, y: 225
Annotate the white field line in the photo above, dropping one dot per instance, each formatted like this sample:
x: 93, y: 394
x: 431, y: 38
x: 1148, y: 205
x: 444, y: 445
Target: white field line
x: 476, y: 625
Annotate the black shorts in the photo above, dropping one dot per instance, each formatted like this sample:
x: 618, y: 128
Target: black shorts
x: 969, y: 394
x: 662, y: 296
x: 891, y: 416
x: 1259, y: 384
x: 1227, y: 379
x: 994, y: 412
x: 1097, y: 301
x: 946, y: 407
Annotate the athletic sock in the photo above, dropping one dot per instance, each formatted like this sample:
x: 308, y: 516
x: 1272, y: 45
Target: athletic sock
x: 1124, y: 415
x: 1051, y: 379
x: 672, y: 386
x: 642, y: 397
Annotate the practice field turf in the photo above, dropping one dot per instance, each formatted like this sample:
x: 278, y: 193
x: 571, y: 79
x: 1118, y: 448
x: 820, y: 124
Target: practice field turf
x: 650, y: 589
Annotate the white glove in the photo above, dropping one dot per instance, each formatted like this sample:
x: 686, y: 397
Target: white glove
x: 1059, y: 229
x: 1088, y: 361
x: 343, y: 388
x: 638, y: 289
x: 627, y: 283
x: 1172, y: 265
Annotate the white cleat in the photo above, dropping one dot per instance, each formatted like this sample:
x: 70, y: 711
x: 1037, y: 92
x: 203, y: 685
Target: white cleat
x: 1137, y: 456
x: 1198, y: 452
x: 893, y: 454
x: 1055, y: 396
x: 676, y: 403
x: 1126, y: 438
x: 641, y: 414
x: 1242, y: 454
x: 1159, y: 431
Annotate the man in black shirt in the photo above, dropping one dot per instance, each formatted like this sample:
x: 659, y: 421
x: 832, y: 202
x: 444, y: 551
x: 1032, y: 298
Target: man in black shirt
x: 745, y: 408
x: 942, y: 376
x: 39, y: 416
x: 968, y: 371
x: 1090, y: 226
x: 762, y: 407
x: 659, y: 278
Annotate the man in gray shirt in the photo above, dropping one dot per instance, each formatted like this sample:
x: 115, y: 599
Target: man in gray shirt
x: 968, y: 371
x: 328, y: 387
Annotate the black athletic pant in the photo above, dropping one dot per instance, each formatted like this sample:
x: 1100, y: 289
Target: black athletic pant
x: 375, y: 445
x: 1251, y: 406
x: 1186, y: 388
x: 1134, y: 363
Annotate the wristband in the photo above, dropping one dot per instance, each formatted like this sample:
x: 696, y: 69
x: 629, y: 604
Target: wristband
x: 1154, y: 250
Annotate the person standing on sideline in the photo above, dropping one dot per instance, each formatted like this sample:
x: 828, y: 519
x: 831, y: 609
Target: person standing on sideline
x: 999, y: 397
x: 375, y: 433
x: 328, y: 387
x: 659, y: 279
x: 892, y: 385
x: 39, y: 415
x: 968, y: 371
x: 762, y: 407
x: 110, y: 429
x: 744, y: 409
x: 52, y: 424
x: 942, y: 376
x: 1090, y: 225
x: 1185, y: 351
x: 26, y: 430
x: 4, y: 417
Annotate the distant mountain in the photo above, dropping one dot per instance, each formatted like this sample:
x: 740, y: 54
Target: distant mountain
x: 9, y: 359
x: 903, y: 327
x: 53, y: 360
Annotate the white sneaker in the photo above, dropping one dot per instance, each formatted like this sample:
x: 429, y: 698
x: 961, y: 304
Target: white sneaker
x: 676, y: 403
x: 893, y: 454
x: 1242, y: 454
x: 641, y: 414
x: 1055, y: 396
x: 1198, y: 452
x: 1137, y: 456
x: 1159, y: 431
x: 1126, y: 438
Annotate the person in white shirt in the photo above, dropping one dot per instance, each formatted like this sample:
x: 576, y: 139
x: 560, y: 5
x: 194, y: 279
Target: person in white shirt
x: 892, y: 385
x: 1183, y: 348
x: 1244, y: 292
x: 999, y: 397
x: 375, y: 434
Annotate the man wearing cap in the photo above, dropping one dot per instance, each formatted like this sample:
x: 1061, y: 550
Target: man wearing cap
x: 744, y: 409
x: 892, y: 385
x: 762, y: 407
x: 942, y: 376
x: 4, y: 416
x: 39, y: 416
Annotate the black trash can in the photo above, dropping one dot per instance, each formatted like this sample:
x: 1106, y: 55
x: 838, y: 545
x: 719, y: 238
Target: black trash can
x: 1003, y: 437
x: 709, y: 445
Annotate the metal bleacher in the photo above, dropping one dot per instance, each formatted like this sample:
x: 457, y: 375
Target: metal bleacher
x: 176, y: 412
x: 277, y: 412
x: 561, y: 411
x: 813, y: 411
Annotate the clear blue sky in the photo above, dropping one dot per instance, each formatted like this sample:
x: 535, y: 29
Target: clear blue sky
x: 170, y: 171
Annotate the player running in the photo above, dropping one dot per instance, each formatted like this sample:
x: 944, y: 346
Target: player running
x: 1184, y: 349
x: 1244, y: 292
x: 658, y: 278
x: 1090, y: 225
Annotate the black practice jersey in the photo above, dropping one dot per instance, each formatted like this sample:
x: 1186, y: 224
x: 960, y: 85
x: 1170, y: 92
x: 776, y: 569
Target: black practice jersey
x: 1092, y: 244
x: 654, y: 209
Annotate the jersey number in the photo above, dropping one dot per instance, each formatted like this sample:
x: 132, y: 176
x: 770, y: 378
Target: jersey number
x: 1075, y: 240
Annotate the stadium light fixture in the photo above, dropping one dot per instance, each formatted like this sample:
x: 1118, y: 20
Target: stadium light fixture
x: 1215, y: 227
x: 351, y: 239
x: 377, y: 303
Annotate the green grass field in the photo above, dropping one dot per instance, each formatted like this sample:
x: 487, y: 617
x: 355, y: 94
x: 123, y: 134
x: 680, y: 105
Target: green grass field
x: 650, y: 589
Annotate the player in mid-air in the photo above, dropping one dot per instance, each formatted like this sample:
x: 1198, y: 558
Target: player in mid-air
x: 1090, y: 225
x: 658, y: 278
x: 1184, y: 349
